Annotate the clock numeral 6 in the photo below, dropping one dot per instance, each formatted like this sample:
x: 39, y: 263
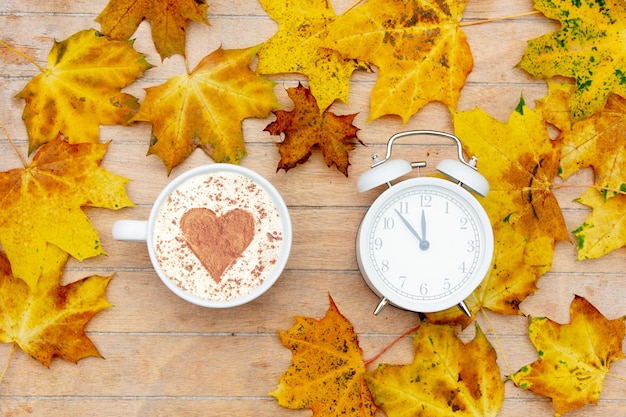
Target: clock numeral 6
x: 424, y: 289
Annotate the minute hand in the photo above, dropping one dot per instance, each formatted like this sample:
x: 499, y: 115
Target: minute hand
x: 423, y: 242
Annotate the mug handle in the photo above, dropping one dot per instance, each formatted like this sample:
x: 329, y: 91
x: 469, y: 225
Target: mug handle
x: 131, y: 230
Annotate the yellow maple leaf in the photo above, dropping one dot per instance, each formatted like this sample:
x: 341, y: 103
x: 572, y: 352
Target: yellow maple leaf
x: 326, y: 374
x: 574, y: 358
x: 305, y: 128
x: 42, y: 204
x: 48, y: 320
x: 517, y: 265
x: 520, y: 161
x: 588, y: 48
x: 554, y: 107
x: 168, y: 21
x: 605, y: 228
x: 204, y: 109
x: 81, y: 89
x: 297, y: 48
x: 421, y: 52
x: 446, y: 378
x: 597, y: 141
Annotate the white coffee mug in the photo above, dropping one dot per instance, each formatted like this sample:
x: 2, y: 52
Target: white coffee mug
x: 143, y: 231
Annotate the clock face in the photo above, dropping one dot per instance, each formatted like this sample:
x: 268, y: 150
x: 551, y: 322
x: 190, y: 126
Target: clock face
x: 425, y: 244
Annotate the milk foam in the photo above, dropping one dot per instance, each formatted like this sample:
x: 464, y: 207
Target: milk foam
x: 220, y: 192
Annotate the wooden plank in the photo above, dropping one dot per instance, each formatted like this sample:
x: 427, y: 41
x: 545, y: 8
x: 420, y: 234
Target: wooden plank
x: 168, y: 357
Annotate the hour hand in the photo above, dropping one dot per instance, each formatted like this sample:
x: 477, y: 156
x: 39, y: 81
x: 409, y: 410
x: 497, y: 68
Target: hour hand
x: 423, y: 242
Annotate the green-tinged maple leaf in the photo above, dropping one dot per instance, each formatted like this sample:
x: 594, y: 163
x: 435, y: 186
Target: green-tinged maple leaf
x: 205, y: 109
x: 520, y: 161
x: 42, y: 204
x: 48, y: 320
x: 326, y: 374
x: 168, y: 21
x: 574, y: 358
x: 81, y: 89
x: 421, y: 52
x: 446, y: 378
x: 305, y: 128
x: 297, y: 48
x: 598, y: 141
x: 588, y: 48
x: 605, y: 229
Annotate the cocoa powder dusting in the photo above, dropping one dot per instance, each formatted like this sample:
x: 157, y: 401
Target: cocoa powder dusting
x: 223, y: 228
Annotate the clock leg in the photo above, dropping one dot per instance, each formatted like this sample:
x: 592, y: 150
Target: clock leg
x: 381, y: 305
x: 465, y: 309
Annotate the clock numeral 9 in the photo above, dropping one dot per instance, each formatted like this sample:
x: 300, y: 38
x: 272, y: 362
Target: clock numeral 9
x: 378, y: 243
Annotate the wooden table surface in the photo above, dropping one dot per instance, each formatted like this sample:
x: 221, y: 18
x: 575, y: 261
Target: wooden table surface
x: 163, y: 356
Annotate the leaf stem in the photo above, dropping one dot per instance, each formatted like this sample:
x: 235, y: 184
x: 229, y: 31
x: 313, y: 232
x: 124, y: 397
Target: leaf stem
x: 396, y: 340
x: 352, y: 6
x: 597, y: 187
x: 26, y: 57
x: 498, y: 342
x: 6, y: 367
x: 15, y: 148
x: 616, y: 376
x: 496, y: 19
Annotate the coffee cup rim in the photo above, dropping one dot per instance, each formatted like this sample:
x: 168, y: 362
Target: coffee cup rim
x: 280, y: 205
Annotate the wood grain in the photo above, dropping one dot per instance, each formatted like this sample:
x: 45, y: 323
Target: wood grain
x: 165, y: 357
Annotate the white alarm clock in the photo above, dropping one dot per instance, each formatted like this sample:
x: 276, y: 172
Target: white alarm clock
x: 425, y: 243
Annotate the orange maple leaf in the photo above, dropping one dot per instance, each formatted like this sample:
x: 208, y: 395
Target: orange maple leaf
x: 574, y: 358
x: 204, y: 109
x: 168, y: 21
x: 446, y: 377
x: 326, y: 374
x: 305, y: 128
x: 81, y: 89
x: 42, y: 203
x: 420, y: 50
x: 48, y: 320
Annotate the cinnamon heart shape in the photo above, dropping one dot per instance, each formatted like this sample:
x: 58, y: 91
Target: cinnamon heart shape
x: 217, y: 241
